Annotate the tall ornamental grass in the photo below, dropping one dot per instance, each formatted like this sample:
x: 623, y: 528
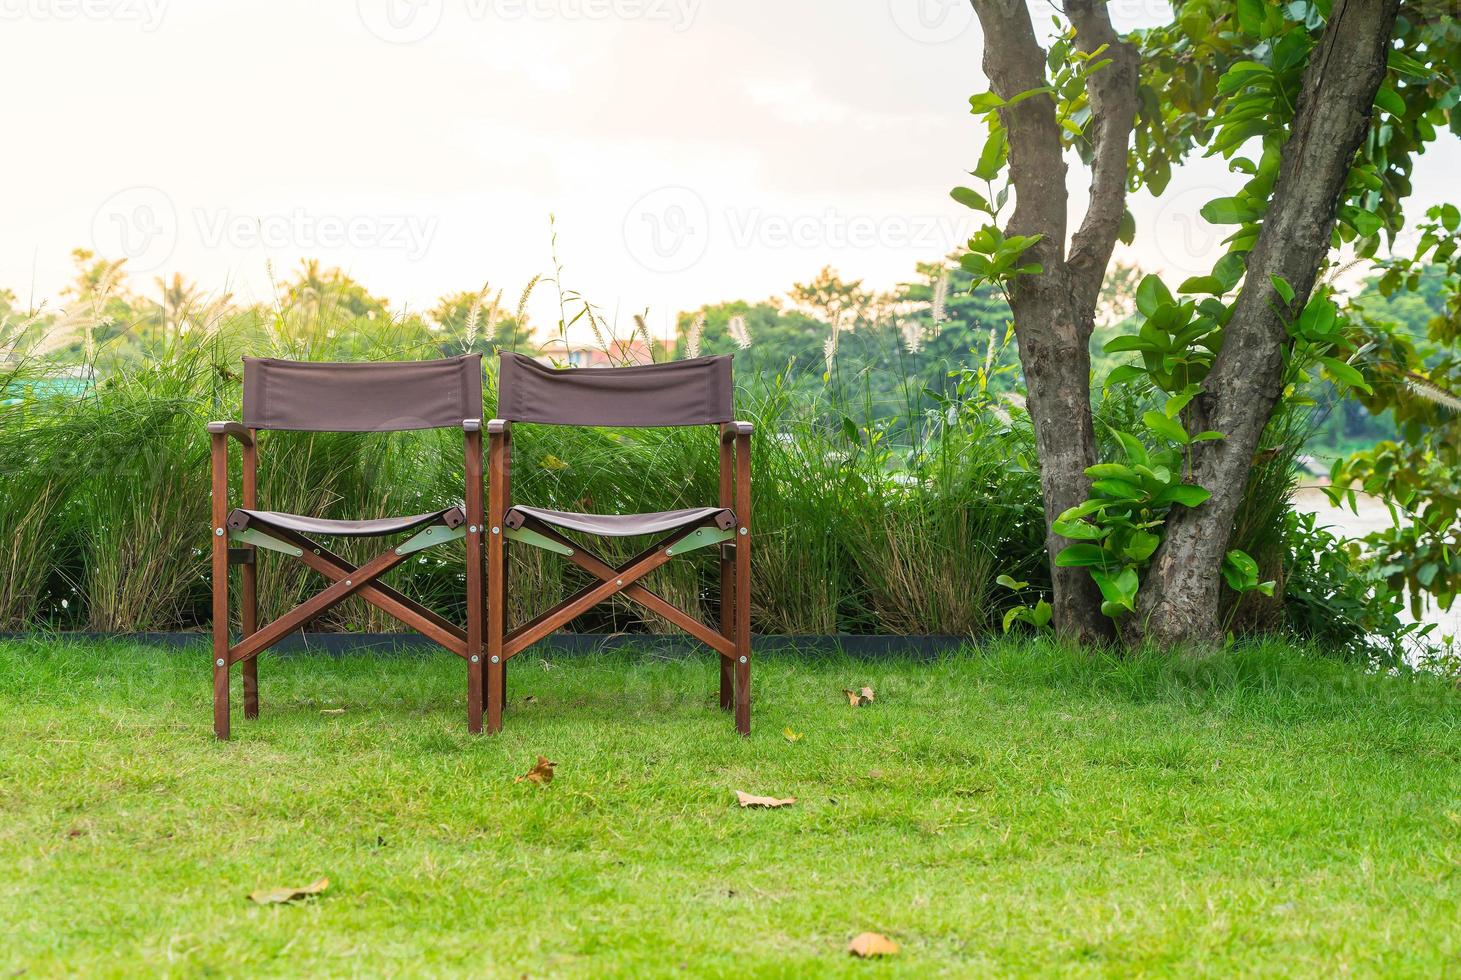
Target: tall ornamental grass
x: 896, y: 525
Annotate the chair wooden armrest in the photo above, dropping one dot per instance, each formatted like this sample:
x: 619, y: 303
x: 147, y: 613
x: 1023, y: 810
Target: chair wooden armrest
x: 730, y: 430
x: 235, y: 429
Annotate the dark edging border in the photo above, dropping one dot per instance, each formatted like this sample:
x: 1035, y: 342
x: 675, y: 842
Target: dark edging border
x: 858, y: 646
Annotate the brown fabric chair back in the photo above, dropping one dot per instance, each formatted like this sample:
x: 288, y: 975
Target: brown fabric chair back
x: 367, y: 396
x: 694, y: 392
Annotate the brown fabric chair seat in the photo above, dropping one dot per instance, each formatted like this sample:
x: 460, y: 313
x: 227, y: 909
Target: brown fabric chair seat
x: 240, y: 519
x: 624, y: 525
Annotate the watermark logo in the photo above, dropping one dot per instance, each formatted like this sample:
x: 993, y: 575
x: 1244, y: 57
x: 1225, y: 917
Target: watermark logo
x: 147, y: 14
x: 1185, y: 239
x: 668, y: 230
x: 400, y: 21
x: 932, y: 21
x: 139, y: 224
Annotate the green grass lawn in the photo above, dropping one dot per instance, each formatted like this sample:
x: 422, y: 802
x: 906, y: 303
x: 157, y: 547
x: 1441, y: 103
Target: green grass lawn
x: 1016, y: 810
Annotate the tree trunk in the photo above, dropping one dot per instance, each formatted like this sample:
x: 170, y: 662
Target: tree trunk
x: 1054, y: 312
x: 1179, y: 602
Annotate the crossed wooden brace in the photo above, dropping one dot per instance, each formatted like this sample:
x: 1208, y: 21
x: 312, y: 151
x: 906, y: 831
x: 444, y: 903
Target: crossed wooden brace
x: 348, y: 579
x: 613, y: 580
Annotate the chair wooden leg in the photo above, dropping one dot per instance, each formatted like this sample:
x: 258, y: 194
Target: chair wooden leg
x: 474, y: 693
x: 218, y: 533
x: 727, y: 624
x: 220, y: 648
x: 727, y: 684
x: 250, y: 672
x: 742, y: 664
x: 250, y: 616
x: 496, y: 684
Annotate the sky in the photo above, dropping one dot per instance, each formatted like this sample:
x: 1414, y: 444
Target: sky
x: 692, y: 151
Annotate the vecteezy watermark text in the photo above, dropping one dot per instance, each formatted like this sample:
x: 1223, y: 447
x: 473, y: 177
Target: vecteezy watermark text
x: 143, y: 225
x: 410, y: 234
x: 147, y: 14
x: 670, y: 230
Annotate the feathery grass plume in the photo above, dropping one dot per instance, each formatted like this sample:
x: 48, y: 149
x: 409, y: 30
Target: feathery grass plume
x: 642, y: 326
x: 600, y: 337
x: 494, y: 316
x: 989, y: 350
x: 692, y: 342
x: 1433, y: 394
x: 829, y: 348
x: 11, y: 336
x: 739, y: 332
x: 912, y: 333
x: 276, y: 322
x: 940, y: 302
x: 522, y: 303
x: 474, y: 316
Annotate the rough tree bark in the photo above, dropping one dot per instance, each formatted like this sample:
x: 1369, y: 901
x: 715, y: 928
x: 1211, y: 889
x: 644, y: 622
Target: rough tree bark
x: 1178, y: 604
x: 1054, y: 312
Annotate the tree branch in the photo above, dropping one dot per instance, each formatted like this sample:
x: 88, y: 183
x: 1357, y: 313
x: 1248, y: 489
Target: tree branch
x: 1114, y: 101
x: 1015, y: 63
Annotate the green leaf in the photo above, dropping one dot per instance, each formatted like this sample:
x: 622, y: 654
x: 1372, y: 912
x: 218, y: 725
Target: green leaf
x: 1078, y: 530
x: 1165, y: 427
x: 1141, y: 546
x: 1019, y: 612
x: 1203, y: 284
x: 993, y: 156
x: 1318, y: 319
x: 1126, y: 343
x: 1135, y: 452
x: 1029, y: 94
x: 1250, y: 17
x: 1346, y: 374
x: 1125, y: 374
x: 1282, y: 287
x: 1228, y: 211
x: 1389, y: 100
x: 1126, y: 230
x: 1229, y: 269
x: 1151, y: 294
x: 983, y: 102
x: 971, y: 198
x: 1010, y: 583
x: 1186, y: 494
x: 1119, y: 489
x: 1103, y: 471
x: 1042, y: 614
x: 1083, y: 556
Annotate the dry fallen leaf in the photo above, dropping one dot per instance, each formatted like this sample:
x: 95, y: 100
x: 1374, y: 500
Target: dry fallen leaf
x: 746, y: 799
x: 332, y: 711
x: 791, y: 736
x: 859, y: 698
x: 872, y: 944
x: 542, y: 773
x: 272, y: 896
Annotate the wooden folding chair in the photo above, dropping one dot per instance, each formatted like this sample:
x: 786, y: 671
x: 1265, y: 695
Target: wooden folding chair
x: 677, y: 393
x: 360, y: 397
